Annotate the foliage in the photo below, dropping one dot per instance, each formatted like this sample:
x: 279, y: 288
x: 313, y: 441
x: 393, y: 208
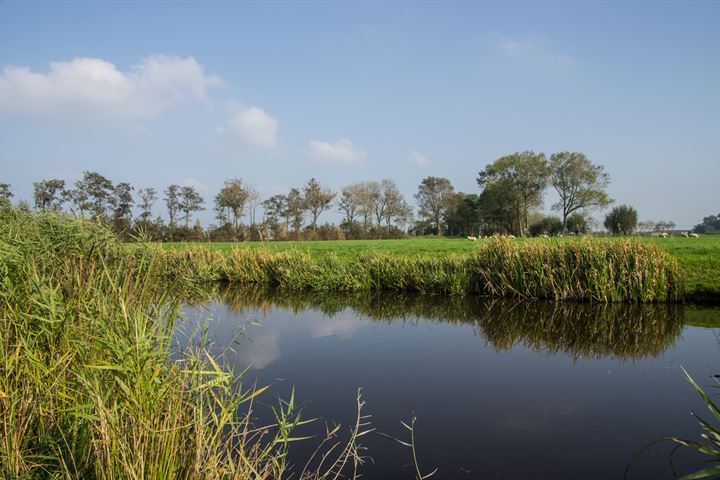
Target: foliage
x: 190, y: 202
x: 50, y: 194
x: 579, y: 183
x: 588, y: 270
x: 517, y: 183
x: 87, y: 385
x: 317, y: 199
x: 621, y: 220
x: 549, y: 225
x: 92, y: 385
x: 434, y: 198
x: 710, y: 224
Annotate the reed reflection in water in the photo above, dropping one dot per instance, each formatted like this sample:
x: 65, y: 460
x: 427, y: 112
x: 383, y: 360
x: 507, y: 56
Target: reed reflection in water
x: 579, y: 330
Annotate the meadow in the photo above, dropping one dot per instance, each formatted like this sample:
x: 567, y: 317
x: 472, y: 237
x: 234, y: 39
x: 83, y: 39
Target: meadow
x: 699, y: 258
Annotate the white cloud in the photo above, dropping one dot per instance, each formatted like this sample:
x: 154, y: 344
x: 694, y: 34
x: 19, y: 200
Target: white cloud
x: 419, y: 159
x: 534, y: 48
x: 252, y: 125
x: 339, y: 151
x: 96, y: 87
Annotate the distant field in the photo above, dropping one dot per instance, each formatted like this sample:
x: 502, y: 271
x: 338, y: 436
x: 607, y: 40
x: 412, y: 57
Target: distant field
x: 700, y: 257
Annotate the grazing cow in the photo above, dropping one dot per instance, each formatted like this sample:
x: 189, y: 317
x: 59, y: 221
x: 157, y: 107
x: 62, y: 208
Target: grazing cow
x: 472, y: 239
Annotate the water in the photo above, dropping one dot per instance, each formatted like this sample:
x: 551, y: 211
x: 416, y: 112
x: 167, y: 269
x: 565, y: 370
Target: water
x: 500, y: 389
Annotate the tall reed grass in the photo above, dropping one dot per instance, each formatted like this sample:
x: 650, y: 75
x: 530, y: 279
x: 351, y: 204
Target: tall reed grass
x: 90, y: 386
x: 586, y: 270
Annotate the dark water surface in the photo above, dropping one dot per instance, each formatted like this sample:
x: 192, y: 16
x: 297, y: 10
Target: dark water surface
x: 500, y: 389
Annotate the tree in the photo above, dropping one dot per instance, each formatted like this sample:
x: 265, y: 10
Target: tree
x: 253, y: 202
x: 579, y: 183
x: 49, y: 194
x: 578, y: 224
x: 317, y: 199
x: 664, y: 226
x: 190, y: 202
x: 434, y: 197
x: 124, y: 201
x: 172, y: 202
x: 296, y: 209
x: 549, y: 225
x: 94, y: 194
x: 464, y: 216
x: 621, y: 220
x: 394, y: 204
x: 710, y: 224
x: 148, y: 197
x: 521, y: 178
x: 5, y: 193
x: 646, y: 225
x: 351, y: 201
x: 231, y: 199
x: 276, y: 210
x: 497, y: 210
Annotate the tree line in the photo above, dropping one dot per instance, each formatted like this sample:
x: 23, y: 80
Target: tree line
x: 511, y: 191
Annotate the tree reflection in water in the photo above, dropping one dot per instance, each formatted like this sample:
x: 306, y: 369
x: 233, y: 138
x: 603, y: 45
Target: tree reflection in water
x: 579, y: 330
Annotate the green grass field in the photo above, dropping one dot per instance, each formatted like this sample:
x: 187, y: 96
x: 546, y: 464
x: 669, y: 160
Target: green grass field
x: 699, y: 257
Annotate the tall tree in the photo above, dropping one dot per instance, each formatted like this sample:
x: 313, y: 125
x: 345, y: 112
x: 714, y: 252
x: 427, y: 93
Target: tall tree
x: 49, y: 194
x: 350, y: 201
x: 253, y: 202
x: 5, y: 193
x: 94, y: 194
x: 148, y: 197
x: 172, y: 202
x: 276, y: 210
x: 579, y: 183
x: 522, y: 177
x: 124, y: 201
x: 296, y: 209
x: 393, y: 202
x: 190, y: 202
x: 497, y: 209
x: 434, y: 197
x: 464, y: 216
x: 231, y: 199
x: 317, y: 199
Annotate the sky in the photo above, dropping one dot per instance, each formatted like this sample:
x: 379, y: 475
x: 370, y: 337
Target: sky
x: 194, y: 93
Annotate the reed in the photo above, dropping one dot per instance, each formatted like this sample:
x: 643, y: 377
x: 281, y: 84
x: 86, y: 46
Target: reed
x: 584, y: 270
x: 91, y: 385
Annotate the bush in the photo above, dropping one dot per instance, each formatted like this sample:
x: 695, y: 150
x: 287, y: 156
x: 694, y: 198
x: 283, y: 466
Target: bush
x: 548, y: 225
x: 621, y: 220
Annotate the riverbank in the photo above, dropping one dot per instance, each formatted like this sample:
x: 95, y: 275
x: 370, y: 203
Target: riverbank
x: 698, y: 258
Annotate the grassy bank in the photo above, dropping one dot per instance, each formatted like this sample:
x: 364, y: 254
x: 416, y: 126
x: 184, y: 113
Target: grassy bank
x: 699, y: 259
x: 91, y: 385
x: 583, y: 270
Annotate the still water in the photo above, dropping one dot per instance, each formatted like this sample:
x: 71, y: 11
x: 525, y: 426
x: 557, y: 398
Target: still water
x: 500, y: 389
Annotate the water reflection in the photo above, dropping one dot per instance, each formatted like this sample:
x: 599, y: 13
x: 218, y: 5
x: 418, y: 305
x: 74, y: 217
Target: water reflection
x: 578, y: 330
x: 487, y: 378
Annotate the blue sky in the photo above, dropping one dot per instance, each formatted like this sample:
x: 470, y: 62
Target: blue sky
x: 277, y: 92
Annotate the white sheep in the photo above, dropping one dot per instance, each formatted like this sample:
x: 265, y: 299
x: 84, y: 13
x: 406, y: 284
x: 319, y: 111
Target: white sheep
x: 512, y: 236
x: 664, y: 235
x: 544, y: 235
x: 472, y: 239
x: 694, y: 235
x: 686, y: 234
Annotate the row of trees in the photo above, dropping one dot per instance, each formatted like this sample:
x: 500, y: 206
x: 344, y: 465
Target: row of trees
x: 511, y: 194
x: 710, y: 224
